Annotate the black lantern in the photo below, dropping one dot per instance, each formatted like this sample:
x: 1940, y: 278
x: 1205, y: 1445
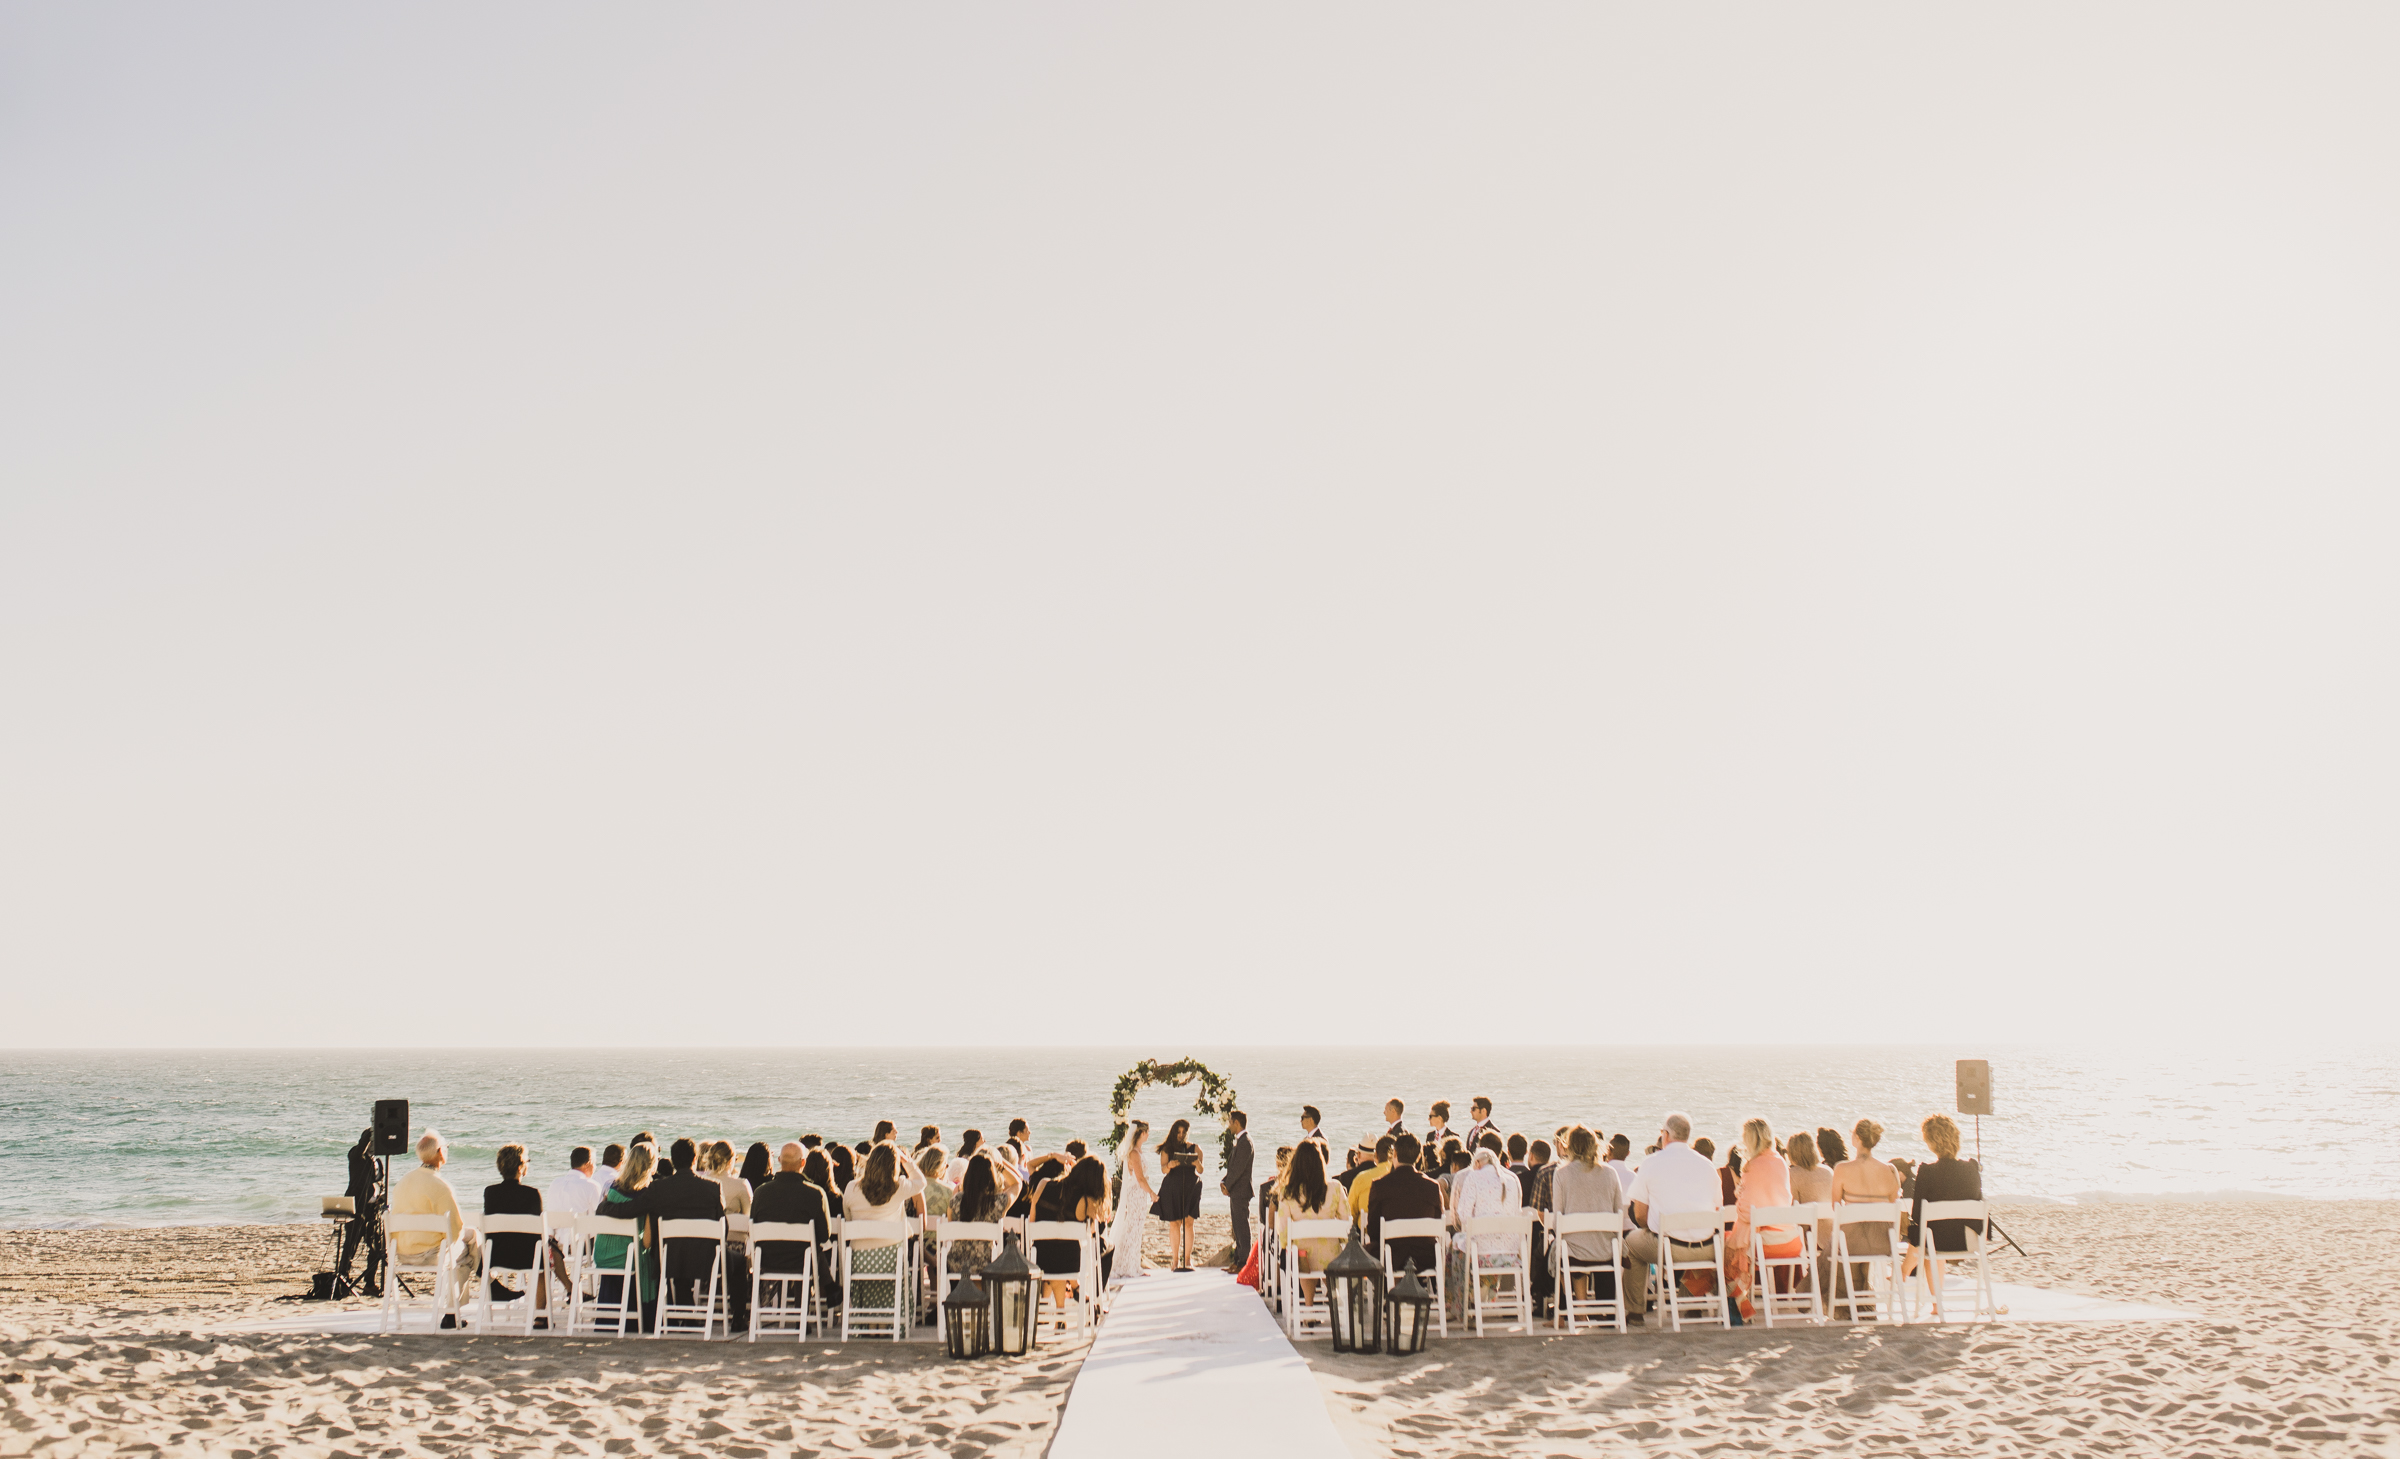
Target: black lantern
x: 1411, y: 1313
x: 967, y: 1319
x: 1354, y: 1300
x: 1010, y: 1281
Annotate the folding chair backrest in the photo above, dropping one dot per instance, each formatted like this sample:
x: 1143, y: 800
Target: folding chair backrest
x: 515, y: 1226
x: 1691, y: 1228
x: 1320, y: 1230
x: 1571, y: 1222
x: 766, y: 1231
x: 1520, y: 1224
x: 1950, y: 1211
x: 968, y: 1231
x: 588, y: 1227
x: 1788, y: 1220
x: 1056, y: 1231
x: 1400, y: 1229
x: 893, y: 1230
x: 434, y: 1222
x: 691, y: 1230
x: 737, y: 1226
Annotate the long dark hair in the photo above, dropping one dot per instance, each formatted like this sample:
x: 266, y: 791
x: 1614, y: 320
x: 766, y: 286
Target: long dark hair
x: 844, y: 1163
x: 1178, y: 1135
x: 1829, y: 1145
x: 1304, y: 1181
x: 1088, y: 1181
x: 882, y: 1177
x: 817, y: 1170
x: 979, y: 1191
x: 756, y: 1165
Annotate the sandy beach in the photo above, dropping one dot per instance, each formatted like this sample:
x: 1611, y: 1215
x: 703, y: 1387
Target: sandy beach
x: 2294, y: 1356
x: 109, y: 1342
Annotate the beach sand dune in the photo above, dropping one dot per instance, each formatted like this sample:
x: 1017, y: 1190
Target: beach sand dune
x: 2294, y: 1356
x: 108, y: 1343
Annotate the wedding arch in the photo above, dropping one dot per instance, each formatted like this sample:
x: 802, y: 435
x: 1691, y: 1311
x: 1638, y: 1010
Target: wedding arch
x: 1216, y: 1097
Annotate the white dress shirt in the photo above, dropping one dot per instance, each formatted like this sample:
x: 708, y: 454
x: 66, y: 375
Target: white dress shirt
x: 1678, y: 1180
x: 573, y: 1192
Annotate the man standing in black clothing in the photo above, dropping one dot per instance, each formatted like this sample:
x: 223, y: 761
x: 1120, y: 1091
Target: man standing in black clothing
x: 1392, y: 1111
x: 365, y: 1227
x: 684, y: 1195
x: 1236, y: 1187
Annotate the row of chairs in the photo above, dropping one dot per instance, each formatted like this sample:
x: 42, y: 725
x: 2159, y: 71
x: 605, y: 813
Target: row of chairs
x: 1499, y: 1268
x: 874, y: 1303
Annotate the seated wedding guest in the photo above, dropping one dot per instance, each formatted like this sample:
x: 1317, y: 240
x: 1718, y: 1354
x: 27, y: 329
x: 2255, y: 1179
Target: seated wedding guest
x: 1518, y: 1149
x: 1076, y: 1149
x: 1492, y: 1142
x: 576, y: 1192
x: 423, y: 1192
x: 981, y: 1201
x: 1812, y: 1185
x: 929, y: 1135
x: 513, y: 1252
x: 1456, y: 1164
x: 1486, y: 1189
x: 812, y: 1142
x: 1354, y: 1160
x: 611, y: 1160
x: 885, y: 1184
x: 1405, y: 1193
x: 1020, y: 1134
x: 608, y: 1252
x: 969, y: 1144
x: 1707, y: 1149
x: 1674, y: 1180
x: 1270, y: 1193
x: 933, y: 1162
x: 1947, y: 1178
x: 1079, y: 1195
x: 1383, y: 1158
x: 1620, y: 1158
x: 1309, y: 1196
x: 1039, y: 1169
x: 684, y: 1194
x: 1583, y: 1184
x: 757, y: 1164
x: 819, y: 1170
x: 1862, y: 1180
x: 1764, y: 1185
x: 884, y: 1130
x: 844, y: 1164
x: 1829, y: 1147
x: 791, y: 1197
x: 716, y: 1162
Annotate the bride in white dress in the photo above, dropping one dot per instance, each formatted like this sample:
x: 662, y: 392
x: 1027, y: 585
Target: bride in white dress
x: 1133, y: 1209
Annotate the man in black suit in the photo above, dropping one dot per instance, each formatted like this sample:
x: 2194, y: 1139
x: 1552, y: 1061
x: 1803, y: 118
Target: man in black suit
x: 1392, y: 1111
x: 1236, y: 1187
x: 791, y: 1196
x: 1482, y: 1108
x: 683, y: 1195
x: 1405, y: 1193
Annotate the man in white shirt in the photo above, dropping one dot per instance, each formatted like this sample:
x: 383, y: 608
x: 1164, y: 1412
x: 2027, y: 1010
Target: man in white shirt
x: 575, y: 1192
x: 1620, y: 1160
x: 611, y: 1160
x: 1675, y: 1180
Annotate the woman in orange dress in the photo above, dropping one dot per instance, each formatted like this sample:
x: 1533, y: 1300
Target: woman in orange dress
x: 1766, y: 1183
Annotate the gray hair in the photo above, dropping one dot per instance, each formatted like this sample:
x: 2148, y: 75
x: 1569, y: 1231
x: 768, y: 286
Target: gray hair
x: 429, y: 1143
x: 1678, y: 1125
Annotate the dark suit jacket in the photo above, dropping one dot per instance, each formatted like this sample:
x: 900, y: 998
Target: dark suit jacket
x: 1947, y: 1179
x: 790, y: 1196
x: 680, y: 1197
x: 1237, y: 1168
x: 512, y: 1198
x: 1404, y: 1195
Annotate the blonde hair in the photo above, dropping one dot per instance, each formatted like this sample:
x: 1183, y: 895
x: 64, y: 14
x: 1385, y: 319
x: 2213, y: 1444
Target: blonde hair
x: 1869, y: 1135
x: 638, y: 1161
x: 1758, y: 1137
x: 933, y: 1162
x: 1583, y: 1147
x: 1941, y: 1135
x: 713, y: 1157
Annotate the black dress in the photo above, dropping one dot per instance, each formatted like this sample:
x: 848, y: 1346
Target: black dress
x: 1179, y: 1192
x: 1058, y: 1258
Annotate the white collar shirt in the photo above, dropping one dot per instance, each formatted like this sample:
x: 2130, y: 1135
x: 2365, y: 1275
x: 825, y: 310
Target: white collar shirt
x: 574, y: 1193
x: 1677, y: 1181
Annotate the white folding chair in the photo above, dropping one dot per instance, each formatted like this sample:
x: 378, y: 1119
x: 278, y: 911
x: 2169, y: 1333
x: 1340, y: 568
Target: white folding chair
x: 772, y: 1294
x: 860, y: 1316
x: 1568, y: 1310
x: 1937, y: 1263
x: 707, y: 1309
x: 1085, y: 1279
x: 593, y: 1314
x: 1777, y: 1226
x: 521, y: 1311
x: 1439, y: 1230
x: 946, y: 1235
x: 1684, y: 1236
x: 435, y: 1263
x: 1883, y: 1296
x: 572, y: 1256
x: 1306, y: 1308
x: 1509, y: 1265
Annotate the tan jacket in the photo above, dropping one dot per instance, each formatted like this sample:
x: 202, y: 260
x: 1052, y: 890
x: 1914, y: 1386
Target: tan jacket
x: 423, y: 1192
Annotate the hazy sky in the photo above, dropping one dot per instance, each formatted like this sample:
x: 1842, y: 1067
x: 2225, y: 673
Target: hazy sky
x: 871, y: 524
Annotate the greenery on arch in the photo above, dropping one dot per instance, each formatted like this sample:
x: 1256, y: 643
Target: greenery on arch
x: 1216, y: 1098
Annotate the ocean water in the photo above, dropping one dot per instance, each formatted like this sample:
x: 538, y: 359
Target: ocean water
x: 142, y: 1138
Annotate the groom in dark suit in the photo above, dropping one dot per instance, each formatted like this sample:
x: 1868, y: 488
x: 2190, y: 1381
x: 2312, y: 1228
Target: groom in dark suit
x: 1237, y: 1188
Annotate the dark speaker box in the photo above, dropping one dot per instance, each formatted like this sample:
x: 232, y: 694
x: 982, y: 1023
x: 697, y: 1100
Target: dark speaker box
x: 391, y: 1127
x: 1974, y: 1086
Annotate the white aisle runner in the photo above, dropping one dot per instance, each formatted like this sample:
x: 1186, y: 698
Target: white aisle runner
x: 1192, y: 1364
